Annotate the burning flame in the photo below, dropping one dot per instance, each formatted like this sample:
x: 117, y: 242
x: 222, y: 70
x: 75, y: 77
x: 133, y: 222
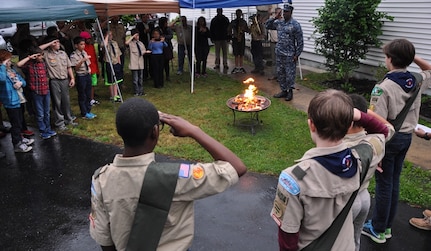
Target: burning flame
x: 248, y: 101
x: 251, y: 92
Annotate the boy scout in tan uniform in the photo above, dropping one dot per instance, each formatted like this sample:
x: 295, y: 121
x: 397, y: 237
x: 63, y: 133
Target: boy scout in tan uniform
x: 61, y: 79
x: 115, y: 189
x: 312, y: 193
x: 356, y: 134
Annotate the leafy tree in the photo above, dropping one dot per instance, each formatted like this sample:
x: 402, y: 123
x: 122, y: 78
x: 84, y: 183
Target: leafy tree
x: 346, y: 29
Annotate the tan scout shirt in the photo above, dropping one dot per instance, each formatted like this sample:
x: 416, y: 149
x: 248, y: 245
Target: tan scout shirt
x: 114, y: 51
x: 388, y: 99
x: 136, y: 60
x: 115, y: 194
x: 321, y: 197
x: 76, y: 57
x: 57, y: 63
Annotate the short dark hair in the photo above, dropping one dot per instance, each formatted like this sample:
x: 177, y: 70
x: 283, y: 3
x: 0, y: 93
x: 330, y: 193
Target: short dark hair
x: 35, y: 50
x: 78, y: 40
x: 49, y: 39
x: 331, y: 111
x: 51, y: 31
x: 135, y: 120
x: 134, y: 31
x: 401, y: 51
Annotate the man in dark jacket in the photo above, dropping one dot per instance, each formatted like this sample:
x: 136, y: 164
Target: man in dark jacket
x: 219, y: 36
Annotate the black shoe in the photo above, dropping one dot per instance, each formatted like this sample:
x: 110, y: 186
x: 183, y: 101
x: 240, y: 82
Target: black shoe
x: 217, y: 67
x: 281, y: 94
x: 225, y: 67
x: 289, y: 95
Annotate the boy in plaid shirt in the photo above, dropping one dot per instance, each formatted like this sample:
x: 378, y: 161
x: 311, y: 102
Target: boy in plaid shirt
x: 39, y: 85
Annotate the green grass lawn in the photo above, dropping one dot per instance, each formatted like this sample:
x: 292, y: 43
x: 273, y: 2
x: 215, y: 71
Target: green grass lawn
x: 281, y: 138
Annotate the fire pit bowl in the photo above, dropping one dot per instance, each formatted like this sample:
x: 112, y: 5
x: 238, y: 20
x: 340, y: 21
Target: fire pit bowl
x: 242, y: 104
x: 251, y: 106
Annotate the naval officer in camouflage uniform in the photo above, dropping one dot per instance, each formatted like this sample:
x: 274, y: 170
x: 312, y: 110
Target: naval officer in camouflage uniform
x: 289, y: 46
x: 115, y: 188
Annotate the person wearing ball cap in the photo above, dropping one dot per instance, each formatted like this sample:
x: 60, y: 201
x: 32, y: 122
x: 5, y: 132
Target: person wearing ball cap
x: 288, y: 49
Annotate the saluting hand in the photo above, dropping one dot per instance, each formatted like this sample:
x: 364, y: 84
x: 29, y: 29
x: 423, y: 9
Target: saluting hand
x: 179, y: 126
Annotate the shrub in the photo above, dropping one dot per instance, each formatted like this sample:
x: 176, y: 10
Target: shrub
x: 346, y: 30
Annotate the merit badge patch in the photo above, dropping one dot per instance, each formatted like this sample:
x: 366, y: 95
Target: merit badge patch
x: 198, y: 172
x: 377, y: 91
x: 184, y: 171
x: 289, y: 183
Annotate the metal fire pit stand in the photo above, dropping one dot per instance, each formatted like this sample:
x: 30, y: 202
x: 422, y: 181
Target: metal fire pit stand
x: 253, y: 118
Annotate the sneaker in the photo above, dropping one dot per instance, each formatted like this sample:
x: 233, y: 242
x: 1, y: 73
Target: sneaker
x: 179, y: 73
x: 117, y: 99
x: 197, y: 75
x: 204, y: 75
x: 73, y: 124
x: 368, y: 230
x: 51, y: 133
x: 289, y: 95
x: 45, y: 135
x: 88, y: 116
x: 62, y: 128
x: 421, y: 223
x: 22, y: 148
x: 427, y: 213
x: 281, y: 94
x: 94, y: 102
x: 235, y: 70
x: 242, y: 70
x: 27, y: 141
x: 27, y: 133
x: 217, y: 67
x: 92, y: 114
x: 388, y: 233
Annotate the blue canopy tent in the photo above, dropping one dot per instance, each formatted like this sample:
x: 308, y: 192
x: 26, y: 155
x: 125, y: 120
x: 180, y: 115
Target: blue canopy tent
x: 203, y: 4
x: 24, y: 11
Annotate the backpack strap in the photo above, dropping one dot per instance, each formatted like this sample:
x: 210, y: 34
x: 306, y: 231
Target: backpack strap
x: 153, y: 207
x: 327, y: 239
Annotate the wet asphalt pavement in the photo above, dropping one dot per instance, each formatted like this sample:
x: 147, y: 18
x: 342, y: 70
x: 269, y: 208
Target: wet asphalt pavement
x: 45, y: 201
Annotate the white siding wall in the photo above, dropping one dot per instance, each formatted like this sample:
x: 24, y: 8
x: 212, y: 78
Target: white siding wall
x: 412, y: 20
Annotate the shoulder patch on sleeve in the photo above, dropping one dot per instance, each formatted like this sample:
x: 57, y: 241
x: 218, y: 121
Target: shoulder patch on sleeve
x: 289, y: 183
x: 377, y: 91
x: 184, y: 171
x: 198, y: 172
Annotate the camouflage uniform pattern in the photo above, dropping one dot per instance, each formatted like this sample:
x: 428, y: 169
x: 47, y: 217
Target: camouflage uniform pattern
x: 290, y: 44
